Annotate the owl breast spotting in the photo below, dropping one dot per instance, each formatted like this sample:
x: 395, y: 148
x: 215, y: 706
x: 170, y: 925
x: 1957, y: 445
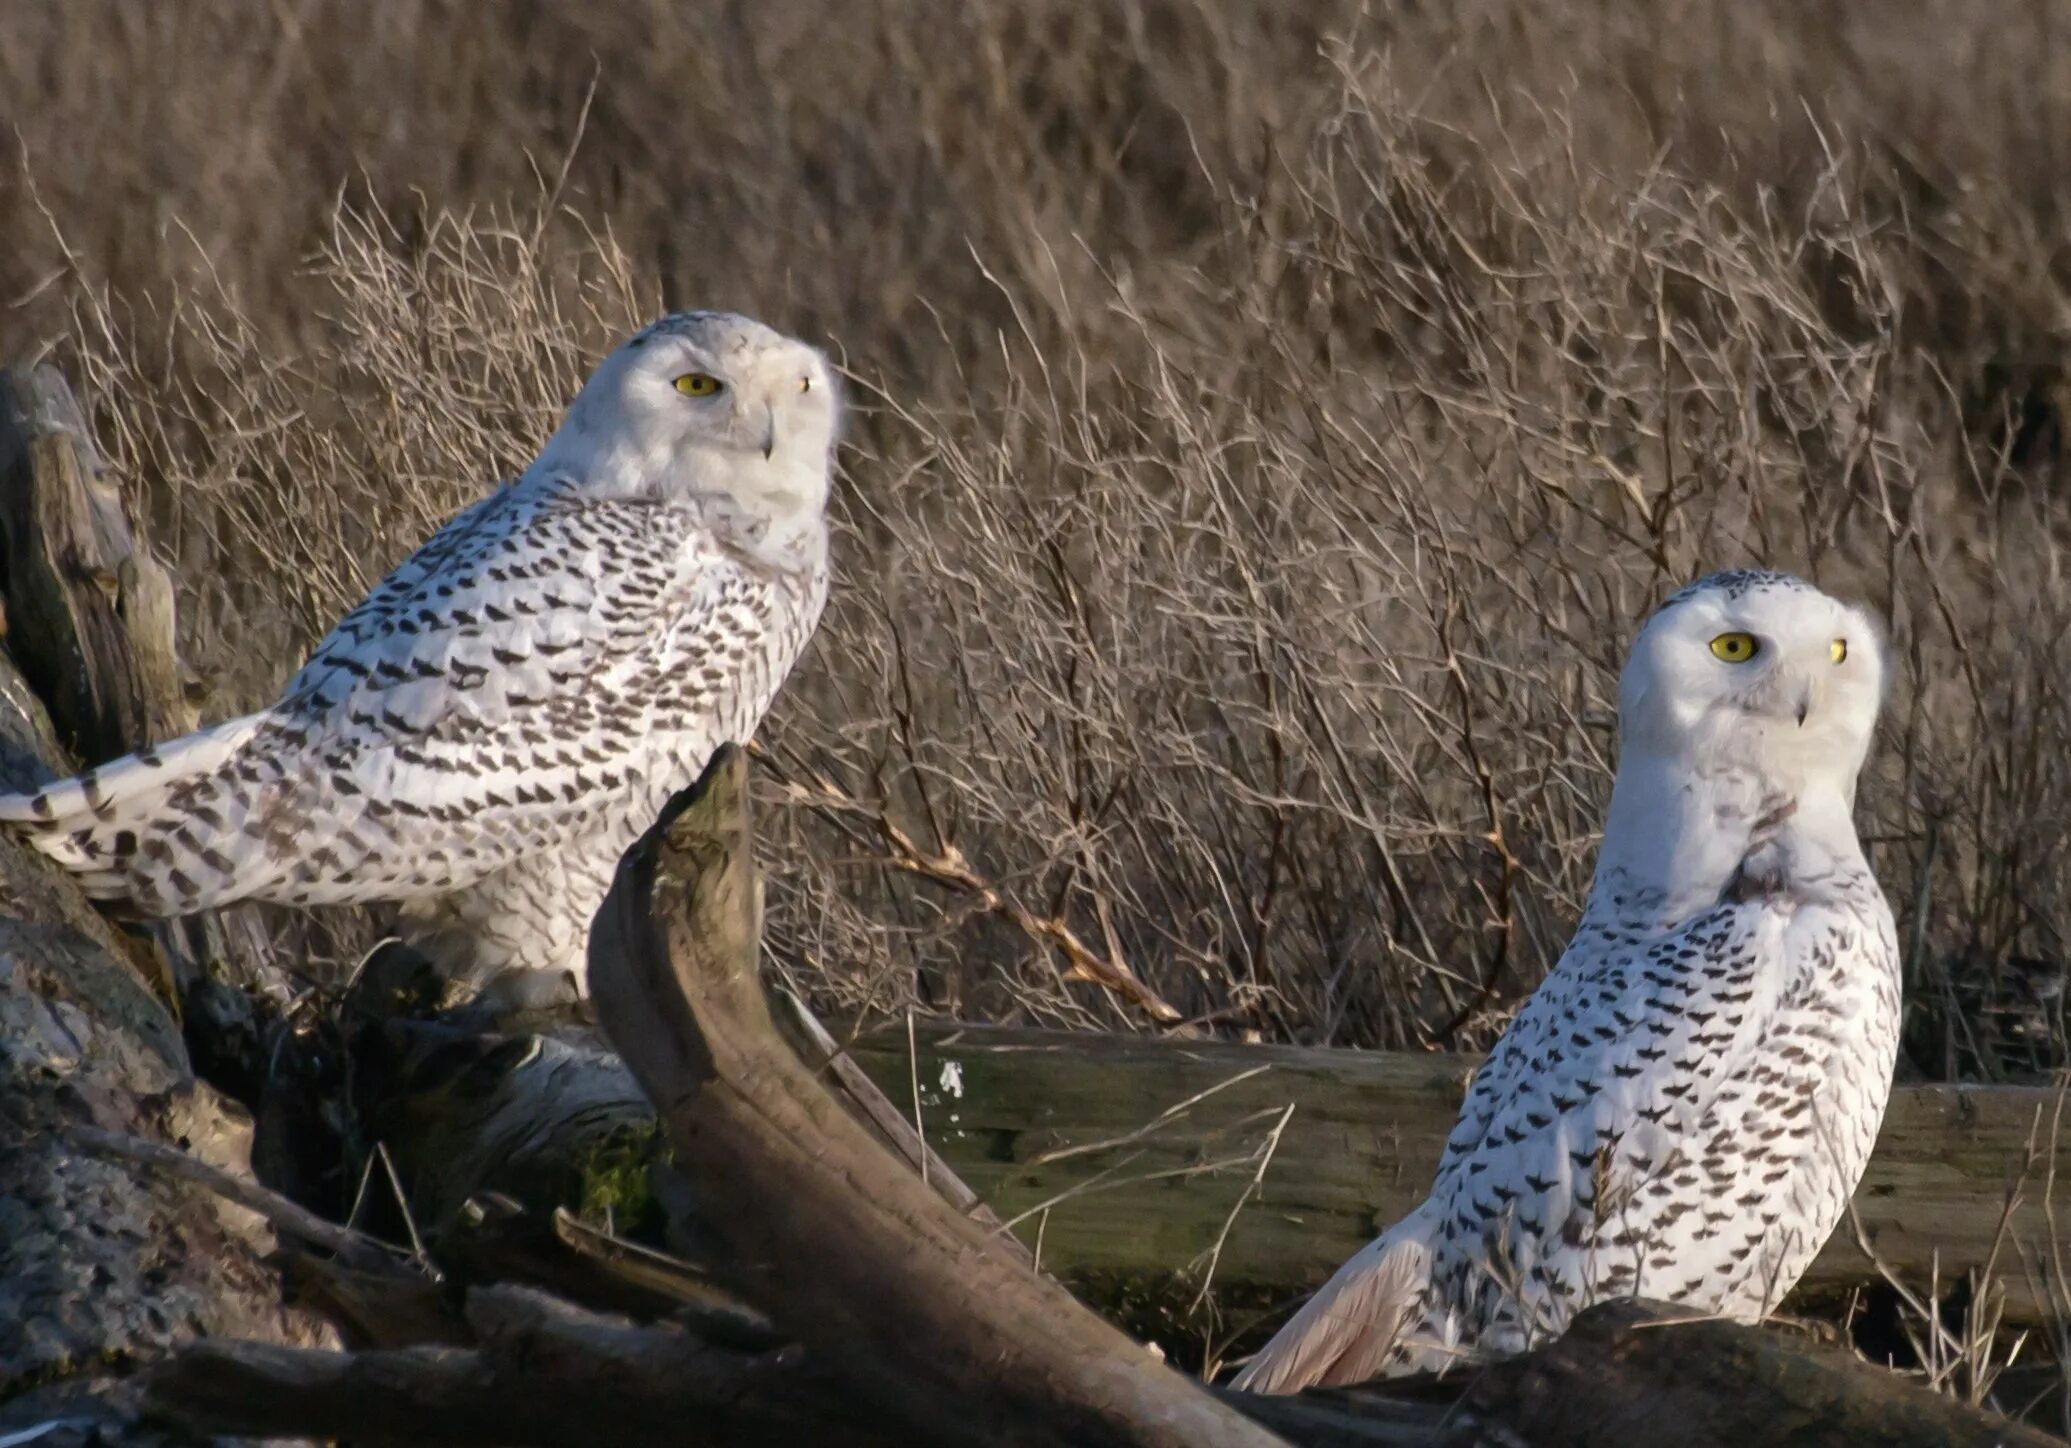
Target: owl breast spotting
x: 1684, y: 1107
x: 481, y: 738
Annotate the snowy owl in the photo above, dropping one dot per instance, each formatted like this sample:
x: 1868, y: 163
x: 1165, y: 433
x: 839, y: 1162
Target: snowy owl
x: 484, y: 735
x: 1683, y: 1109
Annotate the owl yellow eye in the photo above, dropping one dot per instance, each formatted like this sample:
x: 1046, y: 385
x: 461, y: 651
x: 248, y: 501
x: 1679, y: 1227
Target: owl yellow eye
x: 1735, y: 648
x: 699, y: 384
x: 1839, y: 649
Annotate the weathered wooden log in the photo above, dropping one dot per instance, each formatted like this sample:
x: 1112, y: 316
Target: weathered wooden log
x: 872, y: 1106
x: 546, y: 1122
x: 89, y: 621
x: 541, y: 1374
x: 103, y: 1267
x: 1629, y: 1372
x: 1062, y: 1133
x: 1632, y: 1372
x: 923, y: 1318
x: 493, y: 1239
x: 558, y: 1122
x: 545, y: 1375
x: 1058, y: 1129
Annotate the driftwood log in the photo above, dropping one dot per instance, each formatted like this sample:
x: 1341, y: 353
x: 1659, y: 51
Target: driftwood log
x: 89, y: 622
x: 547, y: 1375
x: 885, y: 1285
x: 538, y: 1372
x: 1141, y: 1163
x: 89, y: 610
x: 1031, y: 1118
x: 1630, y: 1373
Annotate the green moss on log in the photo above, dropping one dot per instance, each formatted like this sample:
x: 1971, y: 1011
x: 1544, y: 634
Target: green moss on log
x: 616, y: 1182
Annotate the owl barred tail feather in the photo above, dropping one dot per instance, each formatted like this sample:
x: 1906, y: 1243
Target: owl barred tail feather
x: 1366, y: 1321
x: 135, y: 827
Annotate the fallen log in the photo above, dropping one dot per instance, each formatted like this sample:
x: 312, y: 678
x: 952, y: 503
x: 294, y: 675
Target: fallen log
x: 1635, y: 1372
x: 545, y: 1375
x: 541, y: 1373
x: 1063, y: 1133
x: 1134, y: 1158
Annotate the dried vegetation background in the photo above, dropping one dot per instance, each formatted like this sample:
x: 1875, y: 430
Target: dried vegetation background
x: 1271, y: 422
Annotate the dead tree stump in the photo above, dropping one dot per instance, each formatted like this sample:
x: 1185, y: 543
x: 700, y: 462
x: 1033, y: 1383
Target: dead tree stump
x: 89, y: 610
x: 910, y: 1303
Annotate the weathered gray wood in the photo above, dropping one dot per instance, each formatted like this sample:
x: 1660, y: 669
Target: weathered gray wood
x: 1021, y: 1115
x: 540, y: 1372
x: 547, y: 1375
x: 930, y: 1326
x: 89, y: 610
x: 558, y: 1122
x: 89, y: 621
x: 873, y: 1106
x: 1631, y: 1372
x: 546, y: 1122
x: 493, y: 1239
x: 236, y: 1187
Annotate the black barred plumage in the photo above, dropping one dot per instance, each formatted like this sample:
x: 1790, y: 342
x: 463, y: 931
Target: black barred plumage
x: 1683, y: 1108
x: 484, y: 735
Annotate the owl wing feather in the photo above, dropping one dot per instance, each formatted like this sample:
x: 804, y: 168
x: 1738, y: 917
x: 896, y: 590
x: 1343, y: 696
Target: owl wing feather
x: 1601, y: 1079
x: 1624, y: 1053
x: 488, y: 692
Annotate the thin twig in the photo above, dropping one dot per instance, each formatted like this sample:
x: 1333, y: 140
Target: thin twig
x: 1156, y: 1123
x: 913, y: 1080
x: 352, y: 1247
x: 395, y: 1184
x: 1251, y: 1189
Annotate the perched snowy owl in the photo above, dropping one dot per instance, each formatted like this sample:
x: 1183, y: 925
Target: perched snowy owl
x: 1683, y: 1109
x: 484, y: 735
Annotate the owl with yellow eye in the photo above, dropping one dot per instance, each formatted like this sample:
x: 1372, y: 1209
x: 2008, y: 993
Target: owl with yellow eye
x: 480, y: 739
x: 1683, y: 1108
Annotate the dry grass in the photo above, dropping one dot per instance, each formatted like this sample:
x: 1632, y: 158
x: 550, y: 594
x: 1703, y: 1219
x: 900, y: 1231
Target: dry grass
x: 1269, y: 433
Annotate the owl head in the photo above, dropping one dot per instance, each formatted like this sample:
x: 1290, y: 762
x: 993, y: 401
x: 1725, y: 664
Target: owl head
x: 708, y: 403
x: 1756, y: 670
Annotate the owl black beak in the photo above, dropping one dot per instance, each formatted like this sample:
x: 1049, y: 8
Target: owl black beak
x: 1804, y: 703
x: 769, y: 430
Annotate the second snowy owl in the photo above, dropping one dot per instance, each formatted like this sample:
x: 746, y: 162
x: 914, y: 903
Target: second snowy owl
x: 484, y: 735
x: 1683, y: 1109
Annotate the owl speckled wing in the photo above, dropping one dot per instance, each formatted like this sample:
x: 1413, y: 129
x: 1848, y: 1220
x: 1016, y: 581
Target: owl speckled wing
x: 475, y: 707
x: 1647, y: 1124
x: 489, y: 729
